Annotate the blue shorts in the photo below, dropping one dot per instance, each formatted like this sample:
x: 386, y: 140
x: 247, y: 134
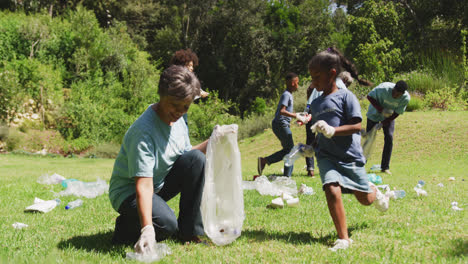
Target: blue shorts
x: 350, y: 176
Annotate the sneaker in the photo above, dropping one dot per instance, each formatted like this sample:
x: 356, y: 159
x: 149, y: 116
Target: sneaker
x: 341, y: 244
x: 310, y: 173
x: 381, y: 201
x: 387, y: 171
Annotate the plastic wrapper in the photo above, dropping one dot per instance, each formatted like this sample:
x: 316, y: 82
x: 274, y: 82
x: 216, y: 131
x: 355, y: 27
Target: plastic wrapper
x: 222, y: 205
x: 50, y: 179
x: 42, y: 206
x: 160, y: 251
x: 275, y: 187
x: 300, y: 150
x: 306, y: 190
x: 85, y: 189
x: 374, y: 178
x: 18, y: 225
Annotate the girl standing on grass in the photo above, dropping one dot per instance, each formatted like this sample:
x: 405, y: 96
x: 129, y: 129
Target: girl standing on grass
x: 337, y: 120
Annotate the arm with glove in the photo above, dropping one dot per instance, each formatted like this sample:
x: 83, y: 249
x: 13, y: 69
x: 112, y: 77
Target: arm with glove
x: 301, y: 117
x: 353, y: 126
x: 144, y: 190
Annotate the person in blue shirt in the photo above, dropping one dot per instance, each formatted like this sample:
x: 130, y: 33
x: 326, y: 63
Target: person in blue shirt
x: 344, y: 79
x: 387, y: 101
x: 281, y: 126
x: 157, y: 162
x: 337, y: 120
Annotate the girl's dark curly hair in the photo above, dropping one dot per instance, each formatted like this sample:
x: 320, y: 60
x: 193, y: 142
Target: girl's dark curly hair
x: 182, y: 57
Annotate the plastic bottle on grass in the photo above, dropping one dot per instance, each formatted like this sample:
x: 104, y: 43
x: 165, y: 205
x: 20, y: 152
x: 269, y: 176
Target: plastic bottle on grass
x: 420, y: 184
x: 376, y: 167
x: 399, y: 194
x: 374, y: 178
x: 74, y: 204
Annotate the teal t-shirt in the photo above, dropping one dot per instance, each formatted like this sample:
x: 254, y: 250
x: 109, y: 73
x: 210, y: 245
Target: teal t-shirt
x: 383, y: 94
x: 149, y: 149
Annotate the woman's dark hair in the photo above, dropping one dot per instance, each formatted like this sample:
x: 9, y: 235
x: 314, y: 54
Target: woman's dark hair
x: 182, y: 57
x: 179, y: 82
x: 333, y: 58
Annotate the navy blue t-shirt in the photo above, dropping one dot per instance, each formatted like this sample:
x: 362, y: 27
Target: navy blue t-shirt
x: 337, y: 109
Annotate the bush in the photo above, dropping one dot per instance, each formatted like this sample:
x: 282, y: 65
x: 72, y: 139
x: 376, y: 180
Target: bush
x: 421, y: 81
x: 415, y: 103
x: 445, y: 99
x: 259, y: 106
x: 13, y: 141
x: 253, y: 125
x: 104, y: 150
x: 76, y: 146
x: 202, y: 117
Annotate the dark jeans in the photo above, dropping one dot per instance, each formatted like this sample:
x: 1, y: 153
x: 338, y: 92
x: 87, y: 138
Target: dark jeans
x: 310, y: 138
x: 284, y: 134
x: 388, y: 141
x: 186, y: 177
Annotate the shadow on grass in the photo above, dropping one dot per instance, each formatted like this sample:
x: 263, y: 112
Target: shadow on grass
x: 100, y: 242
x: 298, y: 237
x: 460, y: 248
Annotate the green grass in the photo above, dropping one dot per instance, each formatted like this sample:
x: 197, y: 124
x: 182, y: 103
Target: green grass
x: 431, y: 146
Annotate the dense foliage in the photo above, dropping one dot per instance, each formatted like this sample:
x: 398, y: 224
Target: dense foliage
x: 91, y: 67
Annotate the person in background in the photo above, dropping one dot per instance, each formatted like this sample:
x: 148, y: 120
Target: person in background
x: 157, y: 162
x: 281, y: 125
x: 337, y: 120
x: 387, y: 101
x: 189, y: 59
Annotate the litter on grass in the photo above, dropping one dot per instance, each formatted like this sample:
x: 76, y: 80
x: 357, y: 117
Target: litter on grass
x: 284, y: 198
x: 160, y: 251
x: 50, y: 179
x: 455, y: 207
x: 42, y: 206
x: 276, y: 186
x: 374, y: 178
x: 85, y: 189
x: 18, y: 225
x: 306, y: 190
x: 419, y: 188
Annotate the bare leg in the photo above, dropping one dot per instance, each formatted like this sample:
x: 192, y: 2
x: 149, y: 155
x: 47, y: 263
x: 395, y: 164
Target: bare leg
x: 366, y: 198
x: 336, y: 208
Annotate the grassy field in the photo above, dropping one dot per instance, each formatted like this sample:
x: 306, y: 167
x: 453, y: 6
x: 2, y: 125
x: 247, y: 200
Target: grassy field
x: 430, y: 146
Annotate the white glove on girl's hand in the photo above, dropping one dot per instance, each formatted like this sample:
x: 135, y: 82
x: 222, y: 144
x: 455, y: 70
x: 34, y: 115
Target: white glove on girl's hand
x: 302, y: 117
x: 146, y: 244
x: 322, y: 127
x: 387, y: 112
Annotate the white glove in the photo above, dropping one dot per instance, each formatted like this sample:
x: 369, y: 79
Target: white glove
x: 146, y: 244
x: 322, y: 127
x: 303, y: 117
x: 387, y: 112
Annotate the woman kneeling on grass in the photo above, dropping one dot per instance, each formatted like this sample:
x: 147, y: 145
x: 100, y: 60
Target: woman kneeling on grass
x: 155, y: 163
x: 337, y: 118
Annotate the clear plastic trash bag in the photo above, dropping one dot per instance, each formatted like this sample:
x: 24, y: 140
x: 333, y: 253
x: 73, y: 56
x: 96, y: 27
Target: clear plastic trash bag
x: 368, y: 140
x: 222, y: 205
